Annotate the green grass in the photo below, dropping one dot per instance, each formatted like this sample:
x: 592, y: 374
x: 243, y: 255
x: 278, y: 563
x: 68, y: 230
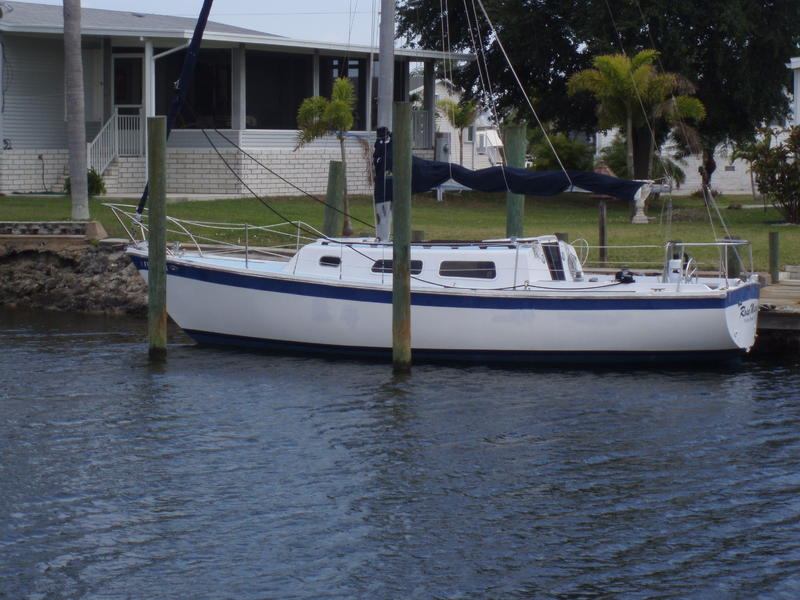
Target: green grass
x: 477, y: 216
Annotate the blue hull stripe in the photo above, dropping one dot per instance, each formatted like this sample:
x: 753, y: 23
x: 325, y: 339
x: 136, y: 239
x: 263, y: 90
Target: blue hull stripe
x: 322, y: 290
x: 471, y: 356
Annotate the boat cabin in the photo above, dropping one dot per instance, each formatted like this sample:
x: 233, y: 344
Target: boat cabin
x: 491, y: 264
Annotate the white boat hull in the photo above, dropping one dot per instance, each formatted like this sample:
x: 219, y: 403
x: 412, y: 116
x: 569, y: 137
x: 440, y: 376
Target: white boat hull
x: 277, y: 311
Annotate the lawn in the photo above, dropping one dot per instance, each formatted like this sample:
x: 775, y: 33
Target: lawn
x: 475, y: 215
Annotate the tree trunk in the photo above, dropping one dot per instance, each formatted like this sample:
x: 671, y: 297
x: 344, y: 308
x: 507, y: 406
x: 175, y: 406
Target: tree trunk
x: 629, y: 145
x: 347, y: 227
x: 461, y: 147
x: 709, y: 165
x: 642, y: 153
x: 76, y: 126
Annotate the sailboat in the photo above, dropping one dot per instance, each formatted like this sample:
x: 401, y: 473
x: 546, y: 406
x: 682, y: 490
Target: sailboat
x: 526, y: 300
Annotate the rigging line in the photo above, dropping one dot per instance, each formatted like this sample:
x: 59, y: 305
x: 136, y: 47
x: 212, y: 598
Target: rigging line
x: 444, y: 18
x: 490, y: 91
x: 681, y: 123
x: 649, y: 124
x: 492, y: 99
x: 352, y: 18
x: 190, y: 108
x: 283, y: 179
x: 522, y: 89
x: 650, y: 128
x: 313, y: 234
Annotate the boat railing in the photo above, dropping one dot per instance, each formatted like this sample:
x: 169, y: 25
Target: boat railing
x: 207, y: 238
x: 679, y: 262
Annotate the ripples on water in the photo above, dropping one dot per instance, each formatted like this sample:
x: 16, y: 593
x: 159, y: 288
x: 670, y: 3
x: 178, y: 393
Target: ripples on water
x: 234, y: 475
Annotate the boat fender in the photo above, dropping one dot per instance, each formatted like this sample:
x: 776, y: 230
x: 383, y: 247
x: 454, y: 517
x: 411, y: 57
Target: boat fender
x: 624, y: 276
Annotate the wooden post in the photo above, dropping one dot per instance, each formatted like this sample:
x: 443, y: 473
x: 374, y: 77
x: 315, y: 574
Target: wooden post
x: 157, y: 241
x: 732, y: 259
x: 332, y: 225
x: 602, y: 223
x: 774, y: 256
x: 515, y: 143
x: 401, y: 231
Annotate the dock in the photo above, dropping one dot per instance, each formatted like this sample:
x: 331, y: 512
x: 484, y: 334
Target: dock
x: 779, y: 319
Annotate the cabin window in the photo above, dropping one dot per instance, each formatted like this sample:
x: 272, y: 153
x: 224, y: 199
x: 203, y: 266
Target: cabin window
x: 476, y: 269
x: 330, y: 261
x: 385, y: 266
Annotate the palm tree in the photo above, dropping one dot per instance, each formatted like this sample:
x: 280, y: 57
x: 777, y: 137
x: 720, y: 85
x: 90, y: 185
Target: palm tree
x: 460, y: 115
x: 318, y: 117
x: 76, y: 128
x: 630, y: 93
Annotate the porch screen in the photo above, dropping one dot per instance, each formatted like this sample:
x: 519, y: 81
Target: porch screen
x: 208, y: 102
x: 277, y: 83
x: 356, y: 69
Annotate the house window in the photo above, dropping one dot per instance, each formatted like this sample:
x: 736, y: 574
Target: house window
x: 331, y: 68
x: 277, y: 84
x: 476, y: 269
x: 385, y: 266
x: 469, y: 134
x: 208, y: 99
x: 330, y: 261
x: 481, y: 143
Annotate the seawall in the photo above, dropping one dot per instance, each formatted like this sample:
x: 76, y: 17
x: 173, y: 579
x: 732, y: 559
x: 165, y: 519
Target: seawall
x: 72, y: 273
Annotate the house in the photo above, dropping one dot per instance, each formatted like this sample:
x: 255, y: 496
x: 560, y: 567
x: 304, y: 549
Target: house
x: 247, y: 86
x: 481, y: 141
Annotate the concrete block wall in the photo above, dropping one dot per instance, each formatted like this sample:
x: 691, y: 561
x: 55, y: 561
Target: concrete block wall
x: 729, y: 178
x: 191, y: 171
x: 199, y: 171
x: 307, y: 168
x: 22, y: 171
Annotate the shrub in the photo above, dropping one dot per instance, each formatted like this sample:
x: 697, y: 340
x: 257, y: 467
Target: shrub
x: 777, y: 171
x: 96, y: 185
x: 574, y: 154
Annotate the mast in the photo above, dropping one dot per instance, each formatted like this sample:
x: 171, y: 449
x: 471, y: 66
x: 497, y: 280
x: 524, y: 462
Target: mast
x: 386, y: 65
x: 383, y: 209
x: 182, y: 85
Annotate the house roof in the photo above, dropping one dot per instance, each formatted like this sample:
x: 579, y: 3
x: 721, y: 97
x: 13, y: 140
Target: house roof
x: 29, y: 17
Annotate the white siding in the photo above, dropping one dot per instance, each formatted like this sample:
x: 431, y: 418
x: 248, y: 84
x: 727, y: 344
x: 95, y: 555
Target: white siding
x: 33, y: 86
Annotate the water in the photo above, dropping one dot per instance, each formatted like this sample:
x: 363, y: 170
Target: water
x: 232, y: 475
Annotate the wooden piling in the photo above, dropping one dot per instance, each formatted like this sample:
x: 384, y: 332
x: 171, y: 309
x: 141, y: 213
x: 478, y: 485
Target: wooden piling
x: 332, y: 223
x: 733, y: 259
x: 602, y: 227
x: 157, y: 242
x: 774, y: 256
x: 401, y: 231
x: 515, y: 143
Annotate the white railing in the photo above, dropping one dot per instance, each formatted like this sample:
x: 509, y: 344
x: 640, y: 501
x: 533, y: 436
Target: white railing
x: 130, y: 135
x: 122, y: 135
x: 103, y: 148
